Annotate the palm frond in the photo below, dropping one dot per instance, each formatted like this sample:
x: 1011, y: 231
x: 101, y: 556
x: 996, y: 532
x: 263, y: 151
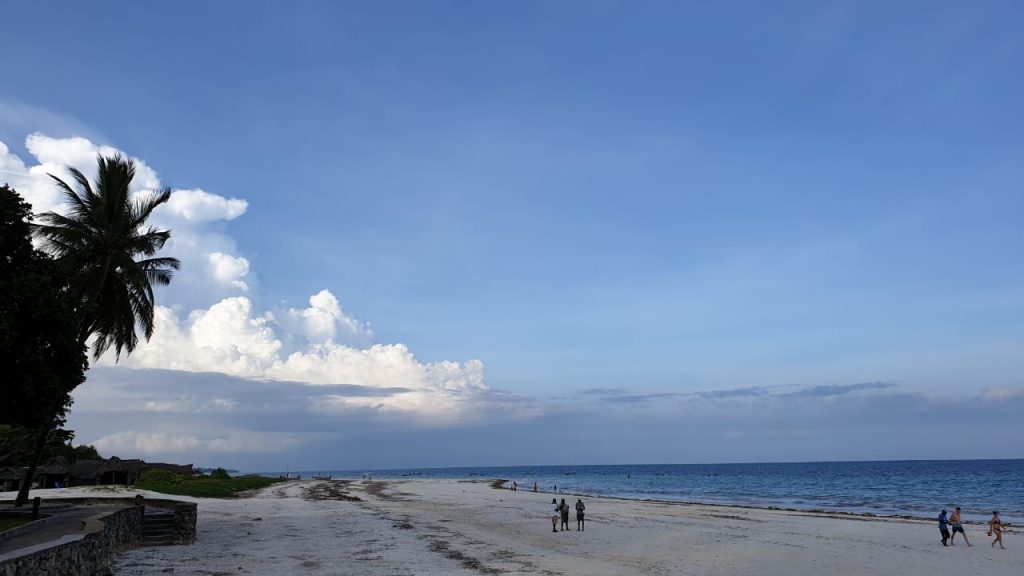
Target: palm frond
x: 144, y: 206
x: 99, y: 239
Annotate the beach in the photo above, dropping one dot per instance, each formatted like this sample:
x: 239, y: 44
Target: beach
x: 467, y: 527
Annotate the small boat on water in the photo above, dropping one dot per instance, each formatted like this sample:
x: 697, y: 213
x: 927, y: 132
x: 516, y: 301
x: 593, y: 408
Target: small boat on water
x: 315, y: 477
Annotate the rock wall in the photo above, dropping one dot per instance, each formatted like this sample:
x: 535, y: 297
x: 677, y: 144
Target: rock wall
x: 105, y: 536
x: 185, y: 518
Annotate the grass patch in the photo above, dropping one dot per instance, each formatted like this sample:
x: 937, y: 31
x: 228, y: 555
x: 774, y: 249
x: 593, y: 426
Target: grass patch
x: 8, y: 522
x: 168, y: 483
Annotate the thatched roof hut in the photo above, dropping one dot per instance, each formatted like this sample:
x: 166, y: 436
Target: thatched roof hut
x: 11, y: 473
x: 11, y: 477
x: 117, y: 471
x: 57, y: 466
x: 56, y: 473
x: 83, y: 473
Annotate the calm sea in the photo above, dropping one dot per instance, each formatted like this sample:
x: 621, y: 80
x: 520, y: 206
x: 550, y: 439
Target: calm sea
x: 918, y: 488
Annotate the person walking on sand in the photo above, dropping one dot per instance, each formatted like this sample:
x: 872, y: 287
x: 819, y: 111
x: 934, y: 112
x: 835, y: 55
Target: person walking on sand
x: 958, y: 526
x: 943, y: 529
x: 564, y: 509
x: 579, y: 515
x: 534, y: 486
x: 996, y: 527
x: 554, y: 515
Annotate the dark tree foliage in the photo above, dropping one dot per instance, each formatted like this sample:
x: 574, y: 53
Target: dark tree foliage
x: 85, y: 452
x: 41, y: 356
x: 17, y: 445
x: 220, y: 474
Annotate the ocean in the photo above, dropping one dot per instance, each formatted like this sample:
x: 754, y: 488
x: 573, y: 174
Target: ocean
x: 918, y: 488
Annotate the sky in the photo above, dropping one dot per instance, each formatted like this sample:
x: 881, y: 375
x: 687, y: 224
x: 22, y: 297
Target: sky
x: 477, y: 233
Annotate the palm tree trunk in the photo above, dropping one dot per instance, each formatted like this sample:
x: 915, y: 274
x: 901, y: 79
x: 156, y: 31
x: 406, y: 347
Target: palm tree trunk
x: 37, y: 454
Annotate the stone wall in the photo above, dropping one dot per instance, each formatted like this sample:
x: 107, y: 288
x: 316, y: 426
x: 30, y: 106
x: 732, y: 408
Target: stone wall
x: 185, y: 517
x: 105, y: 536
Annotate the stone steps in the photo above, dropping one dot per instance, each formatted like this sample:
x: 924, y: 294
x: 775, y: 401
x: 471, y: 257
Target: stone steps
x: 157, y: 529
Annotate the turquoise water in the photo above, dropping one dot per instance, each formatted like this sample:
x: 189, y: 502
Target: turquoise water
x: 917, y: 488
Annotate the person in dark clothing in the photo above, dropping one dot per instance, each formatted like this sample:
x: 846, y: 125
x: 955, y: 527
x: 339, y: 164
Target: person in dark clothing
x: 564, y: 509
x: 943, y: 529
x: 579, y: 514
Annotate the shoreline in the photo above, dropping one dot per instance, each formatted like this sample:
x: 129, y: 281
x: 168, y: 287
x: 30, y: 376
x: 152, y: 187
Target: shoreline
x: 810, y: 511
x: 901, y: 488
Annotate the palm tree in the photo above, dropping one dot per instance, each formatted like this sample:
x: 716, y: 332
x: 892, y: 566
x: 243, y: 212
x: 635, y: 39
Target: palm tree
x: 97, y: 243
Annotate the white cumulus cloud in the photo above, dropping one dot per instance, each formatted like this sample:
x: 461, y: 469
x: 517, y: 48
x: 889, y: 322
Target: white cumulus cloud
x: 326, y: 320
x: 54, y: 154
x: 228, y: 269
x: 230, y: 338
x: 150, y: 443
x: 201, y: 206
x: 319, y: 345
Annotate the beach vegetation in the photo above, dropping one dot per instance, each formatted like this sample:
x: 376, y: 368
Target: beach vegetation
x: 160, y: 477
x: 219, y: 474
x: 169, y: 483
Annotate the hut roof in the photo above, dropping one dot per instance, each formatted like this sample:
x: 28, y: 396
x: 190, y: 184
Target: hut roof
x: 85, y: 470
x: 58, y: 465
x: 115, y: 464
x: 11, y: 473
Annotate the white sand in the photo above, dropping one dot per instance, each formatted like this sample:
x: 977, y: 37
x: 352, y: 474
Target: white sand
x: 448, y: 527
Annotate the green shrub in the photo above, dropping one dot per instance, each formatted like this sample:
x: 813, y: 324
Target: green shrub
x: 207, y: 487
x: 160, y: 477
x: 220, y: 474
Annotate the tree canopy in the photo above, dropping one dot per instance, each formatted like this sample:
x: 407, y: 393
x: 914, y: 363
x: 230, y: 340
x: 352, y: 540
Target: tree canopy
x: 41, y: 355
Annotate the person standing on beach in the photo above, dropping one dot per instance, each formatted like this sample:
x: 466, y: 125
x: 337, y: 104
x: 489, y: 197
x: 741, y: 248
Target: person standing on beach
x: 958, y: 526
x: 535, y: 486
x: 943, y: 530
x: 564, y: 509
x: 579, y: 514
x: 996, y: 527
x: 554, y: 515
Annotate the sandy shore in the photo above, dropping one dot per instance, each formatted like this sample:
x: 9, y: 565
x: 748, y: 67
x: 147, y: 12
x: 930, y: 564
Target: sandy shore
x: 449, y: 527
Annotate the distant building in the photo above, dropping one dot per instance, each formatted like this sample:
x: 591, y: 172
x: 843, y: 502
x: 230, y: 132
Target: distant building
x: 60, y: 473
x: 56, y: 473
x: 116, y: 471
x: 10, y: 478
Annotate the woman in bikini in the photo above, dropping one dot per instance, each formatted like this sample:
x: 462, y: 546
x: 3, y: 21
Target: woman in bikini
x: 996, y: 527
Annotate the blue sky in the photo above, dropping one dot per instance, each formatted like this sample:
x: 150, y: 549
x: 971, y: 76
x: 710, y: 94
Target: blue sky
x: 662, y: 202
